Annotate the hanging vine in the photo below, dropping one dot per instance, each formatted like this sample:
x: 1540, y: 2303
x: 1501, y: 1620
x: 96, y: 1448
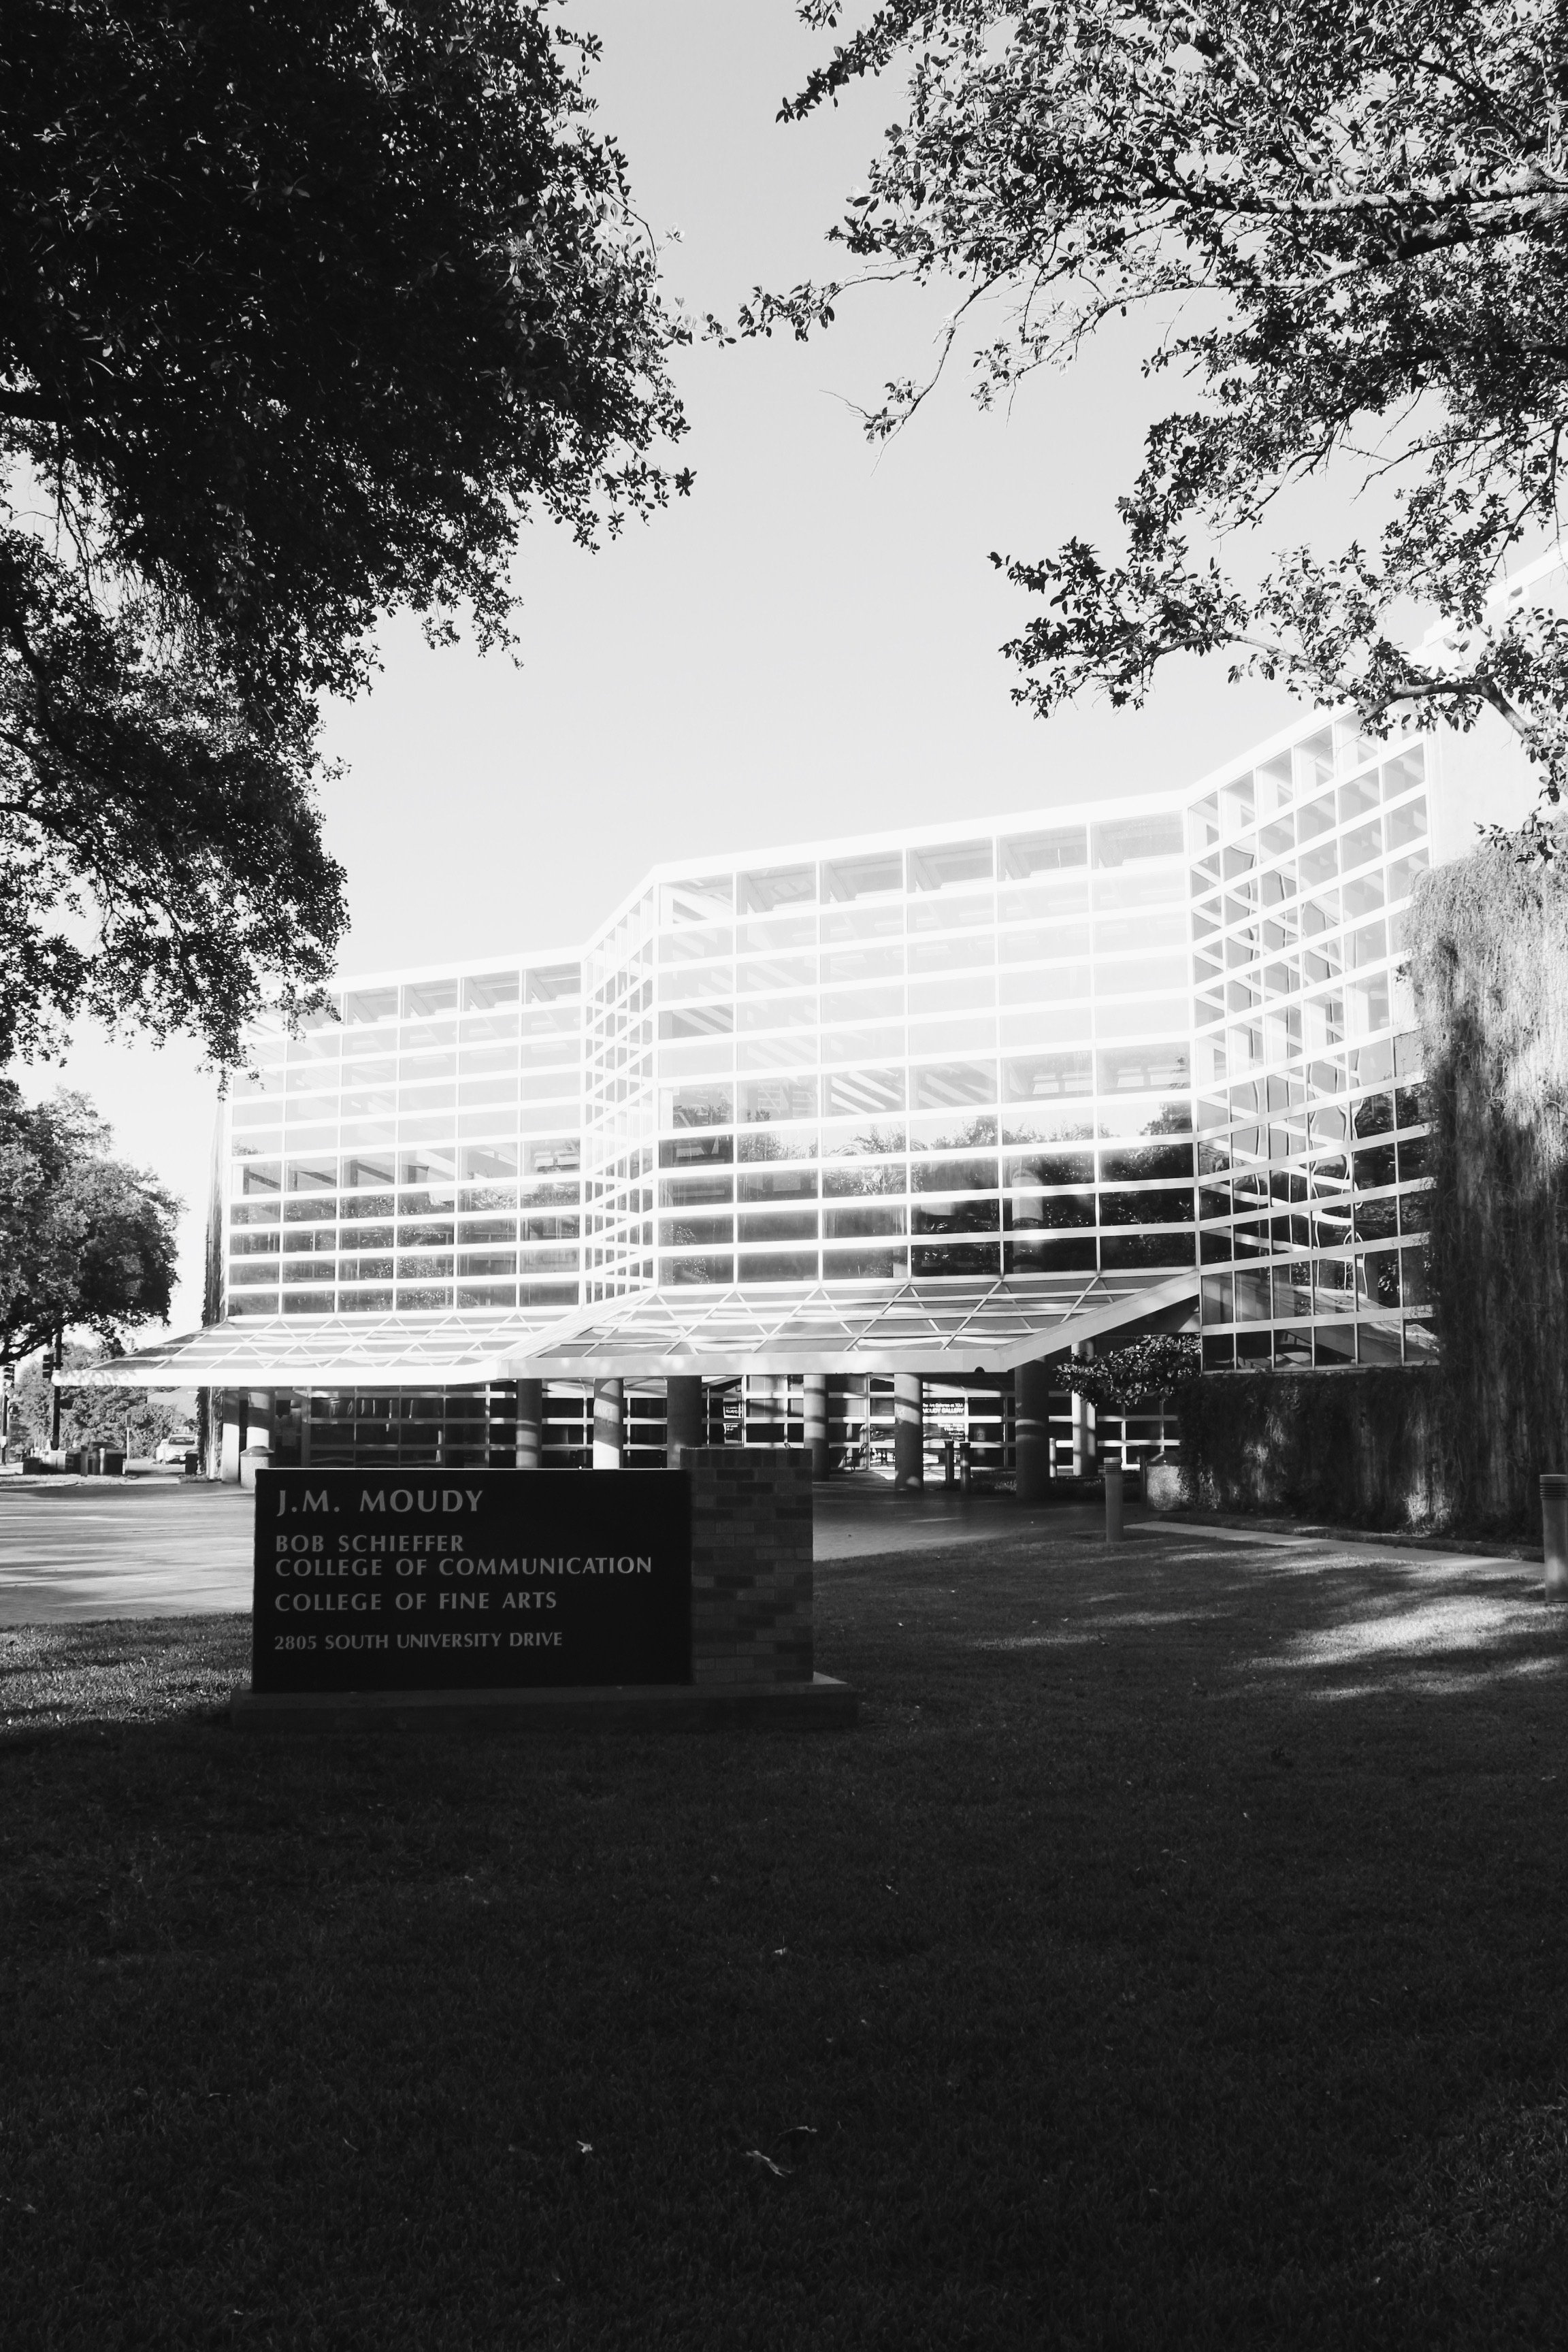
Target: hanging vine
x: 1487, y: 942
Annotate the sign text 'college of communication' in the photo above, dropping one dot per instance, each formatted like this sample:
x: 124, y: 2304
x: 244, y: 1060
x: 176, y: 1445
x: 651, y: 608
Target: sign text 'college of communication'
x: 504, y: 1578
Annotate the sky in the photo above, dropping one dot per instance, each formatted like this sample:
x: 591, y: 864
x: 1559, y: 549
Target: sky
x: 808, y: 645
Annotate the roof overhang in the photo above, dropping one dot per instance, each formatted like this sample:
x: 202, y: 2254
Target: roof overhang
x: 954, y: 1326
x: 283, y: 1351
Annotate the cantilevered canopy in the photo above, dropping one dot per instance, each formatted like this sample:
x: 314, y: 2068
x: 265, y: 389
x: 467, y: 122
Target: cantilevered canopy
x: 339, y: 1351
x: 911, y: 1327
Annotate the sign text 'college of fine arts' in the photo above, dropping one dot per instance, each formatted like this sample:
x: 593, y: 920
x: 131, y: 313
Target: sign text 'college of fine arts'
x: 472, y: 1580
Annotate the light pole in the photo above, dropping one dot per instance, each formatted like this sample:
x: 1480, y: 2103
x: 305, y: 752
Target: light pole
x: 57, y: 1359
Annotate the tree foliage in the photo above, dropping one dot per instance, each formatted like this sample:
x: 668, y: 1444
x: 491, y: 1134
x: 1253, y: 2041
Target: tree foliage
x: 1144, y: 1368
x: 87, y: 1242
x: 303, y: 309
x: 94, y: 1416
x: 1347, y: 228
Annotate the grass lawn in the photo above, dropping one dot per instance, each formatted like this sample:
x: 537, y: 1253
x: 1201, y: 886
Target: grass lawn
x: 1174, y: 1956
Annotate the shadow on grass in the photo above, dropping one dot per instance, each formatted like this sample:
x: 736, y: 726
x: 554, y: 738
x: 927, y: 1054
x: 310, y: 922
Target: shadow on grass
x: 1103, y: 1990
x: 1339, y: 1621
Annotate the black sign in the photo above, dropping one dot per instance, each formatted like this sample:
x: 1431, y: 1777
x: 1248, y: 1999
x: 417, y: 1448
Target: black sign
x: 471, y: 1580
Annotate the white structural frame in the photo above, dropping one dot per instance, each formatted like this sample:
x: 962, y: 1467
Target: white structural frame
x: 1288, y: 1014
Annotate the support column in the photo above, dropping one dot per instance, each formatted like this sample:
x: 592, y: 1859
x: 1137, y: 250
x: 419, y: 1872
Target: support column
x: 909, y: 1433
x: 1083, y: 1441
x: 231, y: 1434
x: 286, y: 1420
x: 609, y: 1424
x: 685, y: 1417
x: 815, y: 1393
x: 1032, y: 1430
x: 257, y: 1438
x: 530, y: 1449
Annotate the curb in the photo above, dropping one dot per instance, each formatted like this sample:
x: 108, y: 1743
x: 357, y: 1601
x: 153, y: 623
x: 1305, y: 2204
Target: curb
x: 1485, y: 1547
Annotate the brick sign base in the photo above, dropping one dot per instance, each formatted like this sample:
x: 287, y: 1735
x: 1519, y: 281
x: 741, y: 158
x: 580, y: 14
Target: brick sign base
x: 751, y: 1644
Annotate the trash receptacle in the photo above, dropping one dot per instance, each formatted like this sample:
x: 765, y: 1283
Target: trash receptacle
x: 254, y: 1458
x: 112, y: 1461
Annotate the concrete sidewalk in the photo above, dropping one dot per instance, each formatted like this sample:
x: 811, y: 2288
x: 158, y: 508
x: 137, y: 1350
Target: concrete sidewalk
x: 861, y: 1515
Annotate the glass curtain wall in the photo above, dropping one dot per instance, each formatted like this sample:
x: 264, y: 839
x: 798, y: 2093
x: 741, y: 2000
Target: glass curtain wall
x: 417, y: 1149
x: 1313, y: 1145
x: 1052, y: 1048
x: 956, y: 1058
x: 619, y: 1094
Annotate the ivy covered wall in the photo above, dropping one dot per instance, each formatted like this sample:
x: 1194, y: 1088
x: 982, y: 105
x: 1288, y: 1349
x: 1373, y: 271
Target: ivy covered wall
x: 1488, y: 945
x: 1461, y: 1445
x: 1363, y: 1448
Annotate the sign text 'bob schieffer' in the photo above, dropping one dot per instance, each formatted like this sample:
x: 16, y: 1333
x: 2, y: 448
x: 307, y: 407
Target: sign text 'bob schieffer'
x: 495, y: 1579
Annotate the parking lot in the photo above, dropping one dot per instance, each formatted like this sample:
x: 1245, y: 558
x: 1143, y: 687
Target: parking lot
x: 121, y: 1548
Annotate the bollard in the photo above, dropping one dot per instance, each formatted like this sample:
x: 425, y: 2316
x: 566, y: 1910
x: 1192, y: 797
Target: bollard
x: 1113, y: 1503
x: 1554, y: 1533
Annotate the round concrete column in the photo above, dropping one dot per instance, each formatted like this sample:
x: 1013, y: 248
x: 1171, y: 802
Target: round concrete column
x: 1083, y: 1433
x: 529, y: 1424
x: 1032, y: 1430
x: 230, y: 1405
x: 816, y: 1394
x: 609, y: 1422
x: 685, y: 1419
x: 909, y: 1432
x: 256, y: 1451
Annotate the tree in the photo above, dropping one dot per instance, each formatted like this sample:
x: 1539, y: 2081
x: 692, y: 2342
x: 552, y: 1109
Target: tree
x: 1347, y: 228
x: 1144, y: 1368
x: 86, y: 1242
x: 303, y: 309
x: 89, y: 1416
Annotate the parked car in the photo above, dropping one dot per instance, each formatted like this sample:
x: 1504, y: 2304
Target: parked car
x: 175, y: 1449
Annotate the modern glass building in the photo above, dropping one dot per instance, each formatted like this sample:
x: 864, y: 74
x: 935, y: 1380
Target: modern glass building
x: 928, y: 1106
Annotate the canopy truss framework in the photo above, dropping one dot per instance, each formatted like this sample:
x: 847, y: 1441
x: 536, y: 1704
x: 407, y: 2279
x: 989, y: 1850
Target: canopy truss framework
x: 991, y: 1325
x: 986, y: 1324
x: 341, y: 1351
